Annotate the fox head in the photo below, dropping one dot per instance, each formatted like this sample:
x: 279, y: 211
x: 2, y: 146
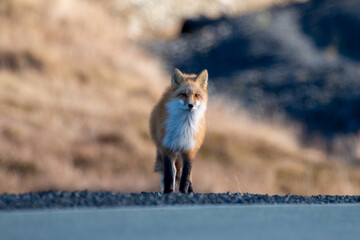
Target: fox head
x: 189, y: 91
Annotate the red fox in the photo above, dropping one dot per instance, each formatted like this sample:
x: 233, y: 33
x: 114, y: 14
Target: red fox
x: 177, y: 127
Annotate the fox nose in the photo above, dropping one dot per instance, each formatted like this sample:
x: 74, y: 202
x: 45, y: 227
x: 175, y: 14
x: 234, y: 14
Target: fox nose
x: 190, y: 106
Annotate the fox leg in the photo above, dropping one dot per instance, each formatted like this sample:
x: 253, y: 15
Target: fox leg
x: 159, y: 167
x: 178, y: 172
x: 185, y: 181
x: 169, y: 174
x: 190, y: 188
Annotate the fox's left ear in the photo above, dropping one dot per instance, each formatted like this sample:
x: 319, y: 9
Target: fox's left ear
x: 202, y: 78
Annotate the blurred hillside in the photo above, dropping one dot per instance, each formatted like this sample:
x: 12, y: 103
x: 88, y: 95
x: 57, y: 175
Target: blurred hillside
x: 76, y: 91
x: 300, y: 60
x: 153, y: 19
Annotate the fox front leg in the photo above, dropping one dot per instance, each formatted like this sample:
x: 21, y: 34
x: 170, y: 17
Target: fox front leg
x: 169, y: 174
x: 185, y: 181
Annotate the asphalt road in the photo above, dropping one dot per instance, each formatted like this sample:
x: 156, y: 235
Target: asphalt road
x: 333, y: 221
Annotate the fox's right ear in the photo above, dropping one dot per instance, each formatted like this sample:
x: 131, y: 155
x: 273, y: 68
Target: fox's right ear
x: 177, y: 78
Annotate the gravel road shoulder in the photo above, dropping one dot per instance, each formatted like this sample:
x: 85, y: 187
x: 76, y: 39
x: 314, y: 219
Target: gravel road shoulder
x: 58, y: 199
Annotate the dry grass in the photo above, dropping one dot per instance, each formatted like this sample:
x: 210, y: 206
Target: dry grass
x: 79, y: 120
x: 266, y: 157
x: 75, y: 98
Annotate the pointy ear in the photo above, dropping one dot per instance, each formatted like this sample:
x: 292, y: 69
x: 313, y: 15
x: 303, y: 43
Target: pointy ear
x: 177, y: 78
x: 202, y: 79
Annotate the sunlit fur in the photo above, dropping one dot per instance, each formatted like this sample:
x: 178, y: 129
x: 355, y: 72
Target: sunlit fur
x: 173, y: 127
x: 177, y: 129
x: 182, y: 125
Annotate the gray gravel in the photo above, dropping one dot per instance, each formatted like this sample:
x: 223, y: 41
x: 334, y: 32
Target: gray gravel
x: 77, y: 199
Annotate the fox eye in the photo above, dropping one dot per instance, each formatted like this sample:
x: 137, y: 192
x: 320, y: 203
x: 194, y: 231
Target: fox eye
x: 197, y: 95
x: 182, y: 95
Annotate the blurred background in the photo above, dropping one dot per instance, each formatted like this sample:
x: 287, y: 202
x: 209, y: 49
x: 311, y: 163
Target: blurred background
x: 78, y: 80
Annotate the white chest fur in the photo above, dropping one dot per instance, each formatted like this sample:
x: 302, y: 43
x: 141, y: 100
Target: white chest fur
x: 181, y: 126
